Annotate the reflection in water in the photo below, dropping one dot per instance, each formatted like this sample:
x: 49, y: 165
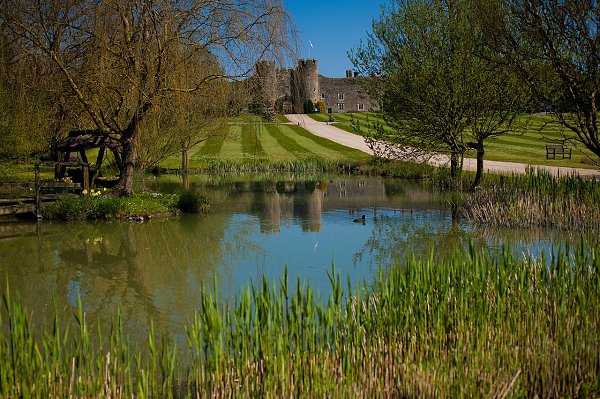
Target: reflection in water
x: 155, y: 270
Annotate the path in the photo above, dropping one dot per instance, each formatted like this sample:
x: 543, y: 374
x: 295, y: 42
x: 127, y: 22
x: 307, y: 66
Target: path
x: 323, y: 129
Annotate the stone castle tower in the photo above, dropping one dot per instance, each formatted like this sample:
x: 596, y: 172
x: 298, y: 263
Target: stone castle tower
x: 286, y: 90
x: 307, y: 74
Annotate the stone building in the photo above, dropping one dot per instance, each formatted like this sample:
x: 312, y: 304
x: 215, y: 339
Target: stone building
x: 287, y: 90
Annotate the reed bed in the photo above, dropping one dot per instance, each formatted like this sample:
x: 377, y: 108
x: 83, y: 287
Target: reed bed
x: 469, y: 325
x: 536, y: 199
x: 265, y: 165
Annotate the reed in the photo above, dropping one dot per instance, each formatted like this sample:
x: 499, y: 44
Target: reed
x: 265, y: 165
x: 468, y: 325
x: 536, y: 198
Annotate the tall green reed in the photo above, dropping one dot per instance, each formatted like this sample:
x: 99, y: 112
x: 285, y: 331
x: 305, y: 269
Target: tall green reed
x: 536, y: 198
x: 471, y: 324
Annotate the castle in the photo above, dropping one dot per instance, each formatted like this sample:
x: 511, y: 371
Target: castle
x: 288, y: 90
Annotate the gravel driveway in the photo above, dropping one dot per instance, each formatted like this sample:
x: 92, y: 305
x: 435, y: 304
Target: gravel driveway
x: 323, y: 129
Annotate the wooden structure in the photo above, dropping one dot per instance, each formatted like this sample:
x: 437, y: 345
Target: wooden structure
x: 552, y: 150
x: 79, y: 141
x: 32, y: 203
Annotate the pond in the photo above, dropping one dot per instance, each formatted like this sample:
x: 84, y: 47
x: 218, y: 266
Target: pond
x: 257, y: 227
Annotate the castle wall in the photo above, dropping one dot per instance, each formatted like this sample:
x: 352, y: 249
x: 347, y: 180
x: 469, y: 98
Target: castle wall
x: 286, y: 90
x: 344, y: 95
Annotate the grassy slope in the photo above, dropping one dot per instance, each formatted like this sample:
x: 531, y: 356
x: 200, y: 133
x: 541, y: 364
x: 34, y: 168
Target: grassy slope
x: 528, y: 145
x: 267, y: 143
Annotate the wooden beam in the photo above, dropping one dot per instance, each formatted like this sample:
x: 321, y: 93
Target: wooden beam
x: 17, y: 209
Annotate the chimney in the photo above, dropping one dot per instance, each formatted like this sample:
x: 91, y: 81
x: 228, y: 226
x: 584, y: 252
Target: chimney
x: 355, y: 74
x: 348, y: 73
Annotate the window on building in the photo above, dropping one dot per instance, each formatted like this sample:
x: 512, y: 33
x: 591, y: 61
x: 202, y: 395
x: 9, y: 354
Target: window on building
x: 340, y: 96
x: 322, y: 96
x: 360, y: 107
x: 340, y: 106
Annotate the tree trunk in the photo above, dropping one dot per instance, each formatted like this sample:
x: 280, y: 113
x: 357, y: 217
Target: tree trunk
x: 454, y: 164
x: 480, y: 153
x: 125, y: 185
x: 128, y: 140
x: 185, y: 168
x: 479, y: 174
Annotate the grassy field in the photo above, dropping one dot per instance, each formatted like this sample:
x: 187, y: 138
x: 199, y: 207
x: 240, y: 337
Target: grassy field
x: 251, y: 142
x: 527, y: 145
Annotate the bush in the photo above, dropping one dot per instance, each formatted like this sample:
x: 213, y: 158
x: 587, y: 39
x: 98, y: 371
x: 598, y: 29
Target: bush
x: 68, y: 209
x: 309, y: 107
x: 321, y: 107
x: 192, y: 202
x: 107, y: 208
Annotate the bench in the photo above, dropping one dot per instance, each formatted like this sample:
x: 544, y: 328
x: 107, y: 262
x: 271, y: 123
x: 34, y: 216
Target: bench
x: 552, y: 150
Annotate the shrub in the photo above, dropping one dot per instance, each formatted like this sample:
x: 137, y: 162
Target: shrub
x: 68, y: 209
x: 309, y: 107
x: 192, y: 202
x: 107, y: 208
x: 321, y: 107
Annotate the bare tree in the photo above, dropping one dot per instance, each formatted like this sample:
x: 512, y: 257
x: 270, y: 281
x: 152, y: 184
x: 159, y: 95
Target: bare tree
x: 118, y: 56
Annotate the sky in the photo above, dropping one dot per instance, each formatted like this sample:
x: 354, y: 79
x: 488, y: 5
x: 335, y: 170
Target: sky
x: 334, y: 27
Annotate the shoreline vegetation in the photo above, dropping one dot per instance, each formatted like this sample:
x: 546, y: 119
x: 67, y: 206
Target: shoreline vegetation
x: 138, y: 207
x: 535, y: 199
x: 468, y: 325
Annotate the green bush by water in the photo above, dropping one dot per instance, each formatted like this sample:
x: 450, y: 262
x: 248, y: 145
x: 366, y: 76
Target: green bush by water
x: 192, y: 202
x: 109, y: 207
x: 470, y: 325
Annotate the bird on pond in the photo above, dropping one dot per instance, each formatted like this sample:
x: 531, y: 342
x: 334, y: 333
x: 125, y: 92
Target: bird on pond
x: 361, y: 220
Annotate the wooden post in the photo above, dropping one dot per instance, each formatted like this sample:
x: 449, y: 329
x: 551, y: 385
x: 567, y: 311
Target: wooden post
x: 63, y: 169
x: 86, y: 180
x: 38, y: 196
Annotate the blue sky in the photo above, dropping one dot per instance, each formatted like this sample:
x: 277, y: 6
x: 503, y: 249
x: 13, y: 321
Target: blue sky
x: 334, y: 27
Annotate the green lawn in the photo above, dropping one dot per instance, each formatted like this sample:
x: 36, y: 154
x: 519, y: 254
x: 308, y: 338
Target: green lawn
x: 526, y: 145
x: 253, y: 142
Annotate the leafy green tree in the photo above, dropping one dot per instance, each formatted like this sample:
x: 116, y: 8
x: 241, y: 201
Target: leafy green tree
x: 433, y: 87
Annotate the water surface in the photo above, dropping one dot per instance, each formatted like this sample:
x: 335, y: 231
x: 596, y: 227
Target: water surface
x: 155, y: 270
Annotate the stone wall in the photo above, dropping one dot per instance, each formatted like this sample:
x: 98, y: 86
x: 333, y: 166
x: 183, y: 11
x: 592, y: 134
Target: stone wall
x: 287, y: 89
x: 344, y: 95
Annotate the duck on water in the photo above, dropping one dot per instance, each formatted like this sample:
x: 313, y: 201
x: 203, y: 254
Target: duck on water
x: 361, y: 220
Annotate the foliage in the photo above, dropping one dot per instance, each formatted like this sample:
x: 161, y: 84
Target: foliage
x: 321, y: 107
x: 431, y: 82
x: 467, y: 325
x: 536, y: 199
x: 191, y: 202
x: 123, y: 62
x: 309, y: 107
x: 553, y: 46
x: 109, y: 207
